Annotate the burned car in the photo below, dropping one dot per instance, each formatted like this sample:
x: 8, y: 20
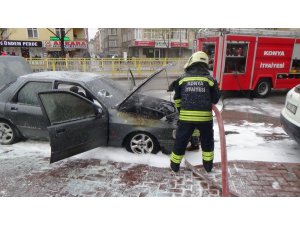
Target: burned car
x: 79, y: 111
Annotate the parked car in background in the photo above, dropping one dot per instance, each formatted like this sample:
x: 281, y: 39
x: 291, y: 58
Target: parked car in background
x: 11, y: 67
x: 80, y: 111
x: 290, y: 115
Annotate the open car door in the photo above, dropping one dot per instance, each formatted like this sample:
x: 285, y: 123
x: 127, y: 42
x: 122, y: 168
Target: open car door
x: 76, y: 124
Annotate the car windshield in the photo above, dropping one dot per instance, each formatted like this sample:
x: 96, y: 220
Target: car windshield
x: 108, y: 90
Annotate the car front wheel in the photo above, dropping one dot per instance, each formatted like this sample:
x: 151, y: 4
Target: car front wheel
x: 141, y: 143
x: 8, y: 133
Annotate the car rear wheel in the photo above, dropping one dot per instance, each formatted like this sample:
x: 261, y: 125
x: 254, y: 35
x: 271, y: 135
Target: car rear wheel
x: 8, y: 134
x: 141, y: 143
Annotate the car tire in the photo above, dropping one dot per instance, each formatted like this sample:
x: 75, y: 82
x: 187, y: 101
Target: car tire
x: 8, y: 133
x: 262, y: 89
x: 142, y: 143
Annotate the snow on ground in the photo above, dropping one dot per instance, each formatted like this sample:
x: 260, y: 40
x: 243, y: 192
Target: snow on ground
x: 258, y: 106
x: 246, y: 142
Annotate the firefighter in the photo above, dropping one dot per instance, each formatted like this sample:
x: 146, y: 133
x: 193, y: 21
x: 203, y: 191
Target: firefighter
x: 195, y: 92
x: 194, y: 140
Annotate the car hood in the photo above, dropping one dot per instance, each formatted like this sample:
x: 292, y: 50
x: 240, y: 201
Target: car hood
x: 158, y: 81
x: 148, y: 98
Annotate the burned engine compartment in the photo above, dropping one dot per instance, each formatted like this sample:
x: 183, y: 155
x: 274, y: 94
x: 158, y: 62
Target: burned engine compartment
x: 149, y: 107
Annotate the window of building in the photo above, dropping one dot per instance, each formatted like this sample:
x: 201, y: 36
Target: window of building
x: 32, y: 32
x: 179, y: 34
x: 147, y: 34
x: 137, y: 34
x: 113, y: 43
x: 236, y: 58
x: 28, y: 93
x: 112, y: 31
x: 58, y: 31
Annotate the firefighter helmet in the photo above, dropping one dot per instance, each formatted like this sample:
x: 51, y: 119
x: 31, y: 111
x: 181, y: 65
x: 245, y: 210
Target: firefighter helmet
x: 197, y: 57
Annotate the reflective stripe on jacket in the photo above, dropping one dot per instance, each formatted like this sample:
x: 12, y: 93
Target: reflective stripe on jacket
x: 194, y: 96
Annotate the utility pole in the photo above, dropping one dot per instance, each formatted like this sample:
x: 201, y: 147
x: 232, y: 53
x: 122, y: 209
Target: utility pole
x: 62, y: 42
x: 180, y: 54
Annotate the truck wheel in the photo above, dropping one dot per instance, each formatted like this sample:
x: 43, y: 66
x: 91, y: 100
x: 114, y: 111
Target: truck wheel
x: 262, y: 89
x: 141, y: 143
x: 8, y: 133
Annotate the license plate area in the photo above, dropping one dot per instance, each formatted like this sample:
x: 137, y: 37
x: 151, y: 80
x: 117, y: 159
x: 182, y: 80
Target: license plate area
x: 291, y: 107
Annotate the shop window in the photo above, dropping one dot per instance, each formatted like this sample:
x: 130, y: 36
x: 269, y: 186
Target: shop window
x: 148, y: 52
x: 209, y: 49
x: 236, y: 58
x: 32, y: 32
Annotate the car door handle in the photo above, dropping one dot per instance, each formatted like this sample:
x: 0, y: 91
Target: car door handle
x: 13, y: 108
x: 61, y: 130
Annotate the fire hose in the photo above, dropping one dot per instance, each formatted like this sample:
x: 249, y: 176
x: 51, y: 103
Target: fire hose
x: 225, y: 187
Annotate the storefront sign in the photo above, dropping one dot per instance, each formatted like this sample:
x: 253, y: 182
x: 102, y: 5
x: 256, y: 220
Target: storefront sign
x: 145, y: 43
x: 179, y: 44
x: 8, y: 43
x: 68, y: 44
x: 161, y: 44
x: 54, y: 38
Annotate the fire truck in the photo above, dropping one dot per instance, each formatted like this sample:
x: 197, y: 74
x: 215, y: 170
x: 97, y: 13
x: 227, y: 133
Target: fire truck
x: 252, y: 59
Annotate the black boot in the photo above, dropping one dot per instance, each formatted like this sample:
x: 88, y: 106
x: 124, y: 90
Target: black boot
x: 208, y: 165
x: 175, y: 167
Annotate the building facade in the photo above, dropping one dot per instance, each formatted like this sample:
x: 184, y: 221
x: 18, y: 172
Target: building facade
x: 144, y: 43
x: 44, y: 42
x: 157, y: 43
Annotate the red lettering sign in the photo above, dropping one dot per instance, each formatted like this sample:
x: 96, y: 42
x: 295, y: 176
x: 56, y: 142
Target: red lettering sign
x: 179, y: 44
x: 145, y: 43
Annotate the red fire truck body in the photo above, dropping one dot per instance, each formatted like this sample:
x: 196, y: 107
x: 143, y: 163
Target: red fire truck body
x: 256, y: 62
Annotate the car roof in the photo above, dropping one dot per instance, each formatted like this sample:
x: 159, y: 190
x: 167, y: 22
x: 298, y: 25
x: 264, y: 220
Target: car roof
x: 64, y: 75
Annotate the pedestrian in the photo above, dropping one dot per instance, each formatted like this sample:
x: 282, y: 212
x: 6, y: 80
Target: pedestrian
x: 195, y: 92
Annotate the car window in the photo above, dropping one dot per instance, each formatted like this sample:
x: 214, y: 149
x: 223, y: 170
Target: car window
x: 28, y: 93
x: 76, y: 88
x: 62, y: 107
x: 71, y: 87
